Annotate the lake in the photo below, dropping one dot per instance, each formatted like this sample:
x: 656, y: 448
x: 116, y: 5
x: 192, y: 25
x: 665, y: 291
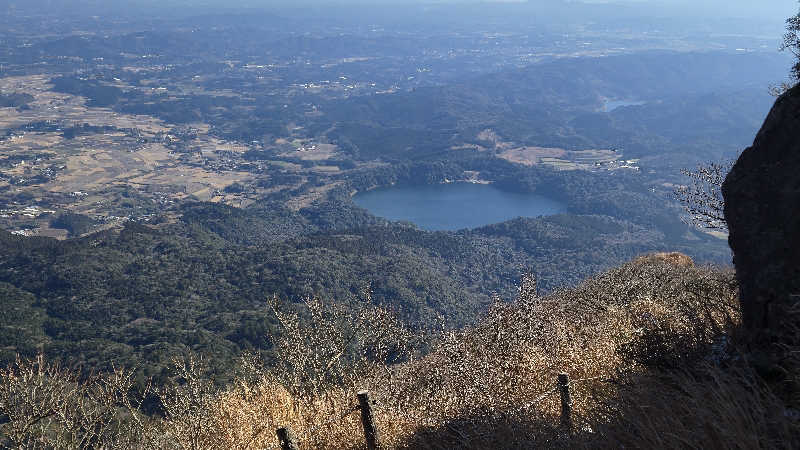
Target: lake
x: 453, y: 206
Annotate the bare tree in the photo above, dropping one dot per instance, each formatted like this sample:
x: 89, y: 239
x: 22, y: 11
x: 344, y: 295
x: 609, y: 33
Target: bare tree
x: 791, y: 42
x: 702, y: 197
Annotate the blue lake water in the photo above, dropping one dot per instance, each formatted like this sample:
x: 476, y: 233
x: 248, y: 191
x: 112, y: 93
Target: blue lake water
x: 454, y: 206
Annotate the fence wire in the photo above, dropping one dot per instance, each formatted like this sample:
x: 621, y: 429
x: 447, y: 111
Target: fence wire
x: 309, y: 432
x: 537, y: 400
x: 602, y: 378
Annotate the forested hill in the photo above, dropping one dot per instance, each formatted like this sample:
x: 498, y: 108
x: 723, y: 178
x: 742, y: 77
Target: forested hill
x: 697, y: 103
x: 143, y: 294
x: 557, y: 103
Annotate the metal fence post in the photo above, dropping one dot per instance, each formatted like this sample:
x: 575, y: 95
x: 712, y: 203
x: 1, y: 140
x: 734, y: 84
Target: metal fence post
x: 566, y: 402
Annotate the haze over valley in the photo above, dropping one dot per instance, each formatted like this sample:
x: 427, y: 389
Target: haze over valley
x: 268, y: 122
x: 178, y: 179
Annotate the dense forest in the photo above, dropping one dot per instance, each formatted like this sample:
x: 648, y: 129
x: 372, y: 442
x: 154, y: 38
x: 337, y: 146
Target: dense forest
x: 142, y: 295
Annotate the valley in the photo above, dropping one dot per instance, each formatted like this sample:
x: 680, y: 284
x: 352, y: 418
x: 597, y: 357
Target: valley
x: 315, y: 224
x: 160, y: 177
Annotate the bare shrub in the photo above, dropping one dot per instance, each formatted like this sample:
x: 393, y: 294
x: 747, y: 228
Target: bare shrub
x: 189, y: 406
x: 702, y: 197
x: 696, y: 316
x: 45, y: 406
x: 326, y: 353
x: 649, y: 346
x: 336, y: 345
x: 490, y: 385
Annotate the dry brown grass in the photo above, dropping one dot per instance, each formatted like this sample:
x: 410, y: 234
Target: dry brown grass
x: 707, y: 408
x: 649, y: 347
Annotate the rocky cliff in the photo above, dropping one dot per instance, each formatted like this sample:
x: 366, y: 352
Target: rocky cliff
x: 762, y: 208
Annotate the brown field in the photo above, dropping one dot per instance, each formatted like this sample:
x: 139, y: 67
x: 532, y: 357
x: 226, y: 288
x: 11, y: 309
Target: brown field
x: 311, y: 151
x: 530, y: 156
x: 558, y: 157
x: 212, y: 143
x: 65, y: 108
x: 90, y: 168
x: 311, y: 196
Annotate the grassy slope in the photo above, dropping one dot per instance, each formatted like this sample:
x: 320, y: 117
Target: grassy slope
x: 643, y: 344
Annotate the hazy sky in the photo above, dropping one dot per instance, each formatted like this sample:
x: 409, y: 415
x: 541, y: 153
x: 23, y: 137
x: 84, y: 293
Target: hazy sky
x: 764, y: 9
x: 780, y: 8
x: 743, y: 8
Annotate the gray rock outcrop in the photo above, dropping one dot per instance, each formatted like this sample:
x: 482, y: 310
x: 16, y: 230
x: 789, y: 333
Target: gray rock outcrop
x: 762, y: 208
